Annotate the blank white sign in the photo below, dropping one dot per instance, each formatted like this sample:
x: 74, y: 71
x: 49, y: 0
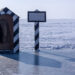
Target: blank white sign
x: 36, y: 16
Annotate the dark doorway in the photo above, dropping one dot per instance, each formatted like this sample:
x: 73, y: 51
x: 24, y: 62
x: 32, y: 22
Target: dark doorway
x: 6, y: 32
x: 1, y: 34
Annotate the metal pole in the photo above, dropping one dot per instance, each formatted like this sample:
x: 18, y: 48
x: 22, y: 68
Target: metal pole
x: 36, y: 36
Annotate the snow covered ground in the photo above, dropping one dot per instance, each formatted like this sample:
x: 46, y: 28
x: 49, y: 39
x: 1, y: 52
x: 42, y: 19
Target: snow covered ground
x: 57, y: 50
x: 54, y: 34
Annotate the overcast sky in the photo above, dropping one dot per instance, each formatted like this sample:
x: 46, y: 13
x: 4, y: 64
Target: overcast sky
x: 56, y: 9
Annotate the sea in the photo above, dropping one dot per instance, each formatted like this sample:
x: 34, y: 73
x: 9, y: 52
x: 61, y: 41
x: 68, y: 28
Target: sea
x: 55, y: 34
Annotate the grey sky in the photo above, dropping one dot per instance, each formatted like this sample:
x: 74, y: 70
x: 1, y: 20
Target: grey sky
x: 56, y: 9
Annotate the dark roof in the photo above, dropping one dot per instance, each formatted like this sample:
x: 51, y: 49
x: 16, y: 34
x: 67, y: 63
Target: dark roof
x: 6, y: 9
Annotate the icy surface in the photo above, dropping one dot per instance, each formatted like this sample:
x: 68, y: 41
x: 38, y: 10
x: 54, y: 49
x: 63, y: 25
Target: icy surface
x: 54, y: 34
x: 57, y: 50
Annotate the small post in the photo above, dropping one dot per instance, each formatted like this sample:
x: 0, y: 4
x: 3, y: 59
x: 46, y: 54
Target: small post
x: 36, y: 35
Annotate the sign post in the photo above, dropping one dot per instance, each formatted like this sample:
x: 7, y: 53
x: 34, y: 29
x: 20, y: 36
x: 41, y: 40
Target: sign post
x: 36, y: 16
x: 36, y: 35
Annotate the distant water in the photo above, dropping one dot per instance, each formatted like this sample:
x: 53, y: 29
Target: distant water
x: 54, y: 34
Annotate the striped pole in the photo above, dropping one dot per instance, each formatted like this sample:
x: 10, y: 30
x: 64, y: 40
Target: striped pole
x: 36, y: 36
x: 15, y: 28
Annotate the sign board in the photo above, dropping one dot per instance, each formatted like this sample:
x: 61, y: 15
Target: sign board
x: 35, y: 16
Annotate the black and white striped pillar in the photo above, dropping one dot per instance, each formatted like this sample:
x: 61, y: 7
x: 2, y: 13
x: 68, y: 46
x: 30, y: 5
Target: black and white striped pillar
x: 36, y: 36
x: 15, y: 18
